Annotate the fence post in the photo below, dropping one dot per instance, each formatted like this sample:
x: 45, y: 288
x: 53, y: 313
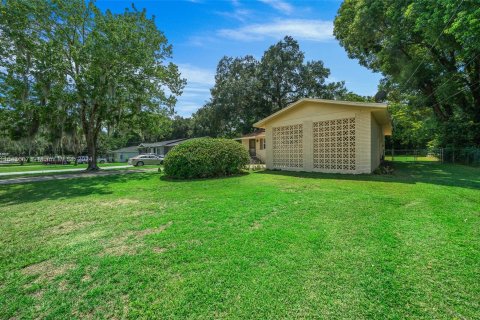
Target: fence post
x: 392, y: 154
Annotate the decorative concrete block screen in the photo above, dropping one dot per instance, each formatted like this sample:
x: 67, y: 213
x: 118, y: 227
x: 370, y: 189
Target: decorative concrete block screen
x: 334, y: 145
x: 288, y: 146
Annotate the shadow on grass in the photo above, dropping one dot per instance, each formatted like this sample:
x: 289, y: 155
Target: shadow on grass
x: 420, y: 172
x: 409, y: 173
x: 63, y: 189
x: 169, y: 179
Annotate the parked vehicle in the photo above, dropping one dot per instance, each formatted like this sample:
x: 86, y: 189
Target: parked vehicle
x: 13, y: 160
x: 144, y: 159
x: 55, y: 160
x: 84, y: 159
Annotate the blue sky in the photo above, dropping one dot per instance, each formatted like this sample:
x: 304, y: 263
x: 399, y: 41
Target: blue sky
x: 203, y: 31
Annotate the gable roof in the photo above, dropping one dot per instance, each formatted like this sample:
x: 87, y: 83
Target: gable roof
x: 126, y: 149
x: 369, y: 105
x: 257, y: 133
x: 161, y: 143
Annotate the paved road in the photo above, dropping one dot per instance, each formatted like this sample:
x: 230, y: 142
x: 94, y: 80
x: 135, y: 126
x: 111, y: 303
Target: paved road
x: 4, y: 174
x: 71, y: 176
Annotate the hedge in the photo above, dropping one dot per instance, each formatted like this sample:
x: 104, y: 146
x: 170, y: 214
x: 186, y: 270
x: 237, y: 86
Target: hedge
x: 205, y: 158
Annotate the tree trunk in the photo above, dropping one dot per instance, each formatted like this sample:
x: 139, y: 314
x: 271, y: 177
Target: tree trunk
x: 90, y: 129
x: 92, y: 152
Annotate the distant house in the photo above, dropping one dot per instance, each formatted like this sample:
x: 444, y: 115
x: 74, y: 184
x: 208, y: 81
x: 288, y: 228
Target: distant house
x: 255, y: 144
x: 123, y: 154
x: 322, y: 135
x: 160, y: 148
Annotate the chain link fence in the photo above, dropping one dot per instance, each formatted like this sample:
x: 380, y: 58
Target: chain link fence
x: 468, y: 156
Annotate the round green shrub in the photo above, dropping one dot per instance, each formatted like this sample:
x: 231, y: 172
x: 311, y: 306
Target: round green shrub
x: 205, y: 158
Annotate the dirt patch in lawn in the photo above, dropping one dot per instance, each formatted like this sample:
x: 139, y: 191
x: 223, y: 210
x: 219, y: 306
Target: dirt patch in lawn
x: 258, y: 224
x: 119, y: 246
x: 89, y: 270
x: 159, y: 250
x: 414, y: 203
x: 47, y: 270
x: 86, y: 278
x: 63, y: 286
x: 130, y: 242
x: 159, y: 229
x: 116, y: 307
x: 118, y: 202
x: 38, y: 294
x: 67, y: 227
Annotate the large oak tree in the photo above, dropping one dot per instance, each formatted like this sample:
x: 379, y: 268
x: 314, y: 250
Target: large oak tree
x: 429, y: 52
x: 247, y: 89
x: 100, y: 67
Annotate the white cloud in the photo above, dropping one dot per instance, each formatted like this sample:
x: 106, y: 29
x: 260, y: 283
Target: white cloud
x: 186, y: 108
x: 197, y: 75
x: 237, y: 14
x: 197, y: 90
x: 200, y: 40
x: 313, y: 30
x: 279, y: 5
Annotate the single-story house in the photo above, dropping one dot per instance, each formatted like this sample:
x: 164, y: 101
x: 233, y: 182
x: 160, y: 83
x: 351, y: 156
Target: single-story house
x: 324, y: 136
x: 123, y: 154
x: 161, y: 147
x: 255, y: 144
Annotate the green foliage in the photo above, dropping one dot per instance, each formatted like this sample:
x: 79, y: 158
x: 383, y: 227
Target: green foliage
x: 284, y: 76
x: 206, y: 122
x: 429, y: 52
x: 180, y: 128
x: 413, y: 128
x: 205, y: 158
x: 247, y: 90
x: 74, y: 61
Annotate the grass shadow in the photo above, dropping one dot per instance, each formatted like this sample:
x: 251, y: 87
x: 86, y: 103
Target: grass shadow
x: 405, y: 172
x: 63, y: 189
x: 163, y: 177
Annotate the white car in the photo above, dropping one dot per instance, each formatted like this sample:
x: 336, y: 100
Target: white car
x: 84, y: 159
x: 144, y: 159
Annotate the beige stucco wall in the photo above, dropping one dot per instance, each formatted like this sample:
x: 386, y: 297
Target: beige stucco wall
x: 378, y: 144
x: 310, y: 113
x: 245, y: 143
x: 261, y: 154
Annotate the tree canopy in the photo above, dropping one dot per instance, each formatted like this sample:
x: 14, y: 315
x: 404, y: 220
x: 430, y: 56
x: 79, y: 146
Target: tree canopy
x: 68, y: 62
x: 429, y: 52
x: 247, y: 89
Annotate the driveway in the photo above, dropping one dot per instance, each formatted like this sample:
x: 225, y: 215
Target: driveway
x: 84, y: 174
x: 3, y: 174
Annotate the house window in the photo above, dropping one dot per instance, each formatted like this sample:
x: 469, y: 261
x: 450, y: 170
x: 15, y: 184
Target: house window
x: 262, y: 144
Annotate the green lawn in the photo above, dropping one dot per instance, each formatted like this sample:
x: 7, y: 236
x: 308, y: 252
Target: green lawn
x: 264, y: 245
x: 412, y: 158
x: 40, y: 167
